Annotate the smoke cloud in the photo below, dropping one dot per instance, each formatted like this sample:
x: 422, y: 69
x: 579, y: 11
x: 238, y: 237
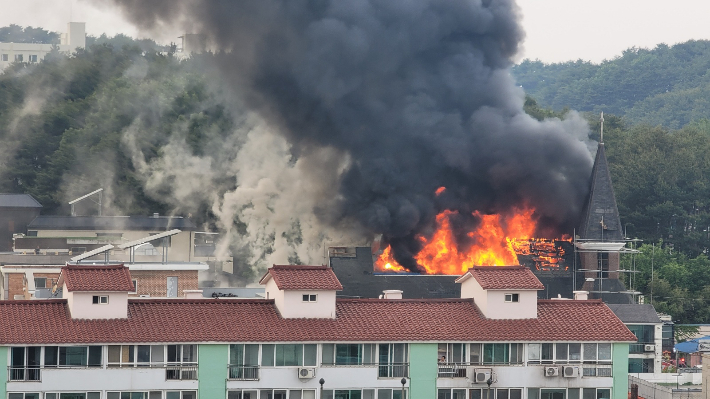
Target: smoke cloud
x: 385, y: 101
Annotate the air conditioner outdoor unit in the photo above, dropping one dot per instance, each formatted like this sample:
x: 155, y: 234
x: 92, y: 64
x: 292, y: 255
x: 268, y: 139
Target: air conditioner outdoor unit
x: 482, y: 375
x: 649, y: 348
x: 570, y: 371
x: 552, y: 371
x: 304, y: 372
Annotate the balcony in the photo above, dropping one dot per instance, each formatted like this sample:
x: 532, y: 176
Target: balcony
x: 24, y: 373
x: 452, y: 370
x: 596, y: 371
x: 244, y: 373
x: 181, y: 372
x: 393, y: 370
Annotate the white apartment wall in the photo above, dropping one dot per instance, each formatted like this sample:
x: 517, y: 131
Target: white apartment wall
x: 97, y: 379
x: 180, y: 249
x: 492, y: 302
x: 76, y: 35
x: 81, y: 306
x: 291, y: 306
x: 324, y: 307
x: 527, y: 376
x: 525, y: 308
x: 336, y: 377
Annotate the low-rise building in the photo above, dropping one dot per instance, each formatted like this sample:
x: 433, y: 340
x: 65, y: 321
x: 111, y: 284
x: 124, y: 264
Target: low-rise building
x: 498, y: 341
x: 73, y: 38
x: 159, y: 280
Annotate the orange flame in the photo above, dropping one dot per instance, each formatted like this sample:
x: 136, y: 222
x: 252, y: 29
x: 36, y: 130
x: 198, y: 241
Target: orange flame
x: 440, y: 190
x: 494, y: 244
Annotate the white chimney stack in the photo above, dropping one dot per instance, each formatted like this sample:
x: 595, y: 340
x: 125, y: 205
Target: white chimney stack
x: 392, y: 294
x: 581, y: 295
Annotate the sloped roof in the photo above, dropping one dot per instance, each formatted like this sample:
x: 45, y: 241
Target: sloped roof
x: 600, y: 205
x: 289, y: 277
x: 96, y: 278
x: 635, y: 313
x: 358, y: 320
x: 503, y: 277
x: 18, y: 201
x: 135, y: 223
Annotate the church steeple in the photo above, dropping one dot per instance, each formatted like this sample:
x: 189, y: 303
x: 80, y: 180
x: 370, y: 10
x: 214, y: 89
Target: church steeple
x: 600, y: 219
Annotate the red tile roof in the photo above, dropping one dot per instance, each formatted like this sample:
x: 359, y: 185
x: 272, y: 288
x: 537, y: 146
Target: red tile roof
x: 303, y: 278
x: 96, y: 278
x: 358, y: 320
x: 503, y: 278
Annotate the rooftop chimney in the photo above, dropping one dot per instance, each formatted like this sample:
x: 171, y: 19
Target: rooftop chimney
x: 193, y: 294
x: 581, y: 295
x: 392, y: 294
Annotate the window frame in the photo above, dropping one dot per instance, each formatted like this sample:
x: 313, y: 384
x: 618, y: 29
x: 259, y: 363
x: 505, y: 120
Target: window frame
x: 99, y: 299
x: 512, y: 297
x: 309, y: 298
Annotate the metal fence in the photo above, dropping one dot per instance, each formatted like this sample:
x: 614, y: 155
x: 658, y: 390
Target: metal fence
x: 650, y: 390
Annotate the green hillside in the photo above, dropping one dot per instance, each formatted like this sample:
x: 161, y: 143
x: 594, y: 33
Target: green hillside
x: 665, y: 86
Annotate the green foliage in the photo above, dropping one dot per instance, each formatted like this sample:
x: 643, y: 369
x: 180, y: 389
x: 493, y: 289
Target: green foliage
x: 17, y: 34
x: 665, y: 86
x: 66, y: 121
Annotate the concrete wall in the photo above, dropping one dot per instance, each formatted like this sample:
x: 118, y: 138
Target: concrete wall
x: 620, y: 370
x: 497, y: 308
x: 423, y: 371
x: 155, y: 282
x: 212, y: 370
x: 81, y: 306
x: 3, y: 368
x: 294, y: 307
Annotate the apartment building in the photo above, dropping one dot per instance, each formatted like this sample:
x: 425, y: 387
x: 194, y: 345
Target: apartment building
x: 73, y: 38
x: 303, y: 342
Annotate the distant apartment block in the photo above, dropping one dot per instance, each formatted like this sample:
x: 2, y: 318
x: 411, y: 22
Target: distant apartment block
x: 73, y: 38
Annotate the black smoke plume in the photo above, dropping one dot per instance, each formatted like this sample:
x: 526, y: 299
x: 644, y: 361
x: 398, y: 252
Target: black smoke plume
x: 416, y: 92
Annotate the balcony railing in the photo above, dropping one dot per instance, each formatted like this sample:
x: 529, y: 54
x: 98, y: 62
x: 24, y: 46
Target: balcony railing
x: 452, y: 370
x: 596, y: 371
x: 393, y: 370
x: 180, y: 372
x: 24, y: 374
x: 244, y: 373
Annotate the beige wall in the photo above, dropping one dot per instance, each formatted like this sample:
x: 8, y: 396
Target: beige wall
x: 154, y: 282
x: 492, y: 302
x: 81, y: 306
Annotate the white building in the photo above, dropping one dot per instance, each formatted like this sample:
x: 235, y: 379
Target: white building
x: 304, y: 343
x: 74, y: 38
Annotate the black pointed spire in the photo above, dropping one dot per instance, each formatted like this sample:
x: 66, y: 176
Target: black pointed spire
x: 600, y: 219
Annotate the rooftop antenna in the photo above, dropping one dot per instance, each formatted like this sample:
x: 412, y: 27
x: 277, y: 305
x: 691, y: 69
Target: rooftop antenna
x: 601, y: 140
x: 99, y: 192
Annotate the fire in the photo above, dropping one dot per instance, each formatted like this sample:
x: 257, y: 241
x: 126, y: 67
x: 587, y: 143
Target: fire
x: 493, y: 240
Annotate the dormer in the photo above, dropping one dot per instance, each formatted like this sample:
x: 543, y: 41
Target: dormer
x: 96, y: 292
x: 502, y: 292
x: 302, y: 291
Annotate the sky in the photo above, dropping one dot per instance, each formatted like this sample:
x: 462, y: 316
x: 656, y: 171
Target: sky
x: 556, y: 30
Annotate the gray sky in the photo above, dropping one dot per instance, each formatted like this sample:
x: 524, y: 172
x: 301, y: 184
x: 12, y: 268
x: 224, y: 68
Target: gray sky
x: 557, y: 30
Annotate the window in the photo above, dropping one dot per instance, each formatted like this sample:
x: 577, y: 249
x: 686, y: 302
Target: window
x: 18, y: 58
x: 243, y: 395
x: 25, y: 363
x: 502, y: 353
x: 288, y: 355
x: 135, y: 355
x: 135, y: 286
x: 596, y: 393
x: 540, y: 353
x: 134, y: 395
x: 348, y: 354
x: 451, y: 394
x: 393, y: 360
x: 182, y: 395
x: 172, y: 287
x: 24, y: 395
x: 452, y: 353
x: 390, y: 394
x: 82, y: 356
x: 40, y: 282
x: 244, y: 362
x: 3, y: 57
x: 33, y: 58
x: 512, y: 297
x: 310, y: 297
x: 99, y: 299
x: 72, y: 395
x: 645, y: 335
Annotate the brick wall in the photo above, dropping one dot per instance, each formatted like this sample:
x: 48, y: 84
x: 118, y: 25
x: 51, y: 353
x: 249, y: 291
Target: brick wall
x: 16, y: 285
x: 154, y: 282
x: 51, y: 278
